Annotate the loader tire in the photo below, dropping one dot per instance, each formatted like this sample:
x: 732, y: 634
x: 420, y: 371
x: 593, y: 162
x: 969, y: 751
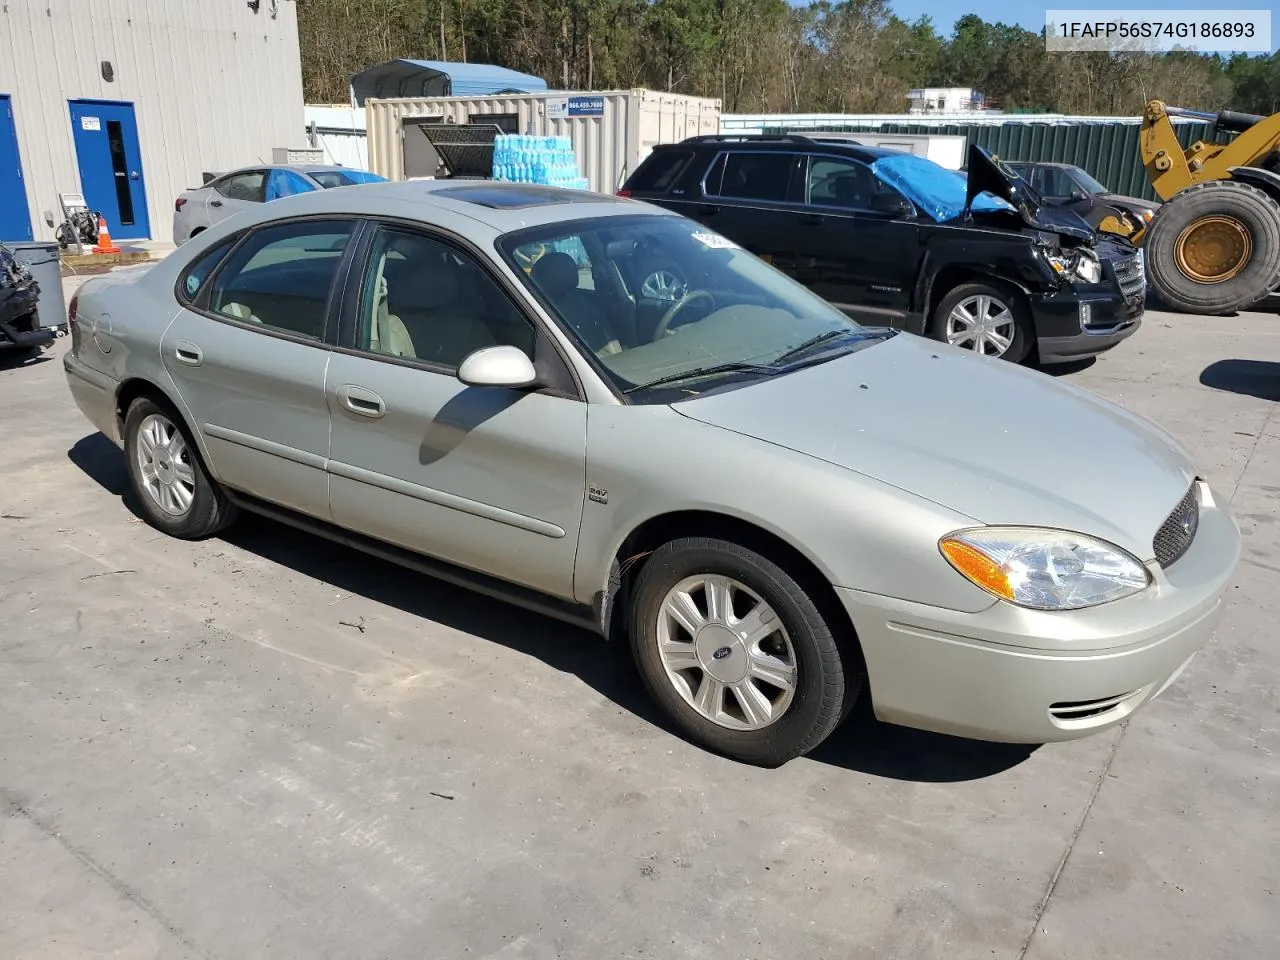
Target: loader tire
x: 1214, y: 248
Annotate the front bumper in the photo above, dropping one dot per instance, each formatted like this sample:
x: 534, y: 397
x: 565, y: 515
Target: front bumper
x: 1075, y: 323
x: 1023, y: 676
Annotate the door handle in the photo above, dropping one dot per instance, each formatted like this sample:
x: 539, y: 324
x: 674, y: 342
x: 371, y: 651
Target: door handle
x: 215, y: 203
x: 188, y: 353
x: 364, y: 403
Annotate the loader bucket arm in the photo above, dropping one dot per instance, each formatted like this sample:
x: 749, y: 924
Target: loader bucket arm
x: 1171, y: 169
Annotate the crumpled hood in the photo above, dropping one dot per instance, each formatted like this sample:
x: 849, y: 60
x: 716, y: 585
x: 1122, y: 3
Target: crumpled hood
x: 987, y: 174
x: 995, y: 442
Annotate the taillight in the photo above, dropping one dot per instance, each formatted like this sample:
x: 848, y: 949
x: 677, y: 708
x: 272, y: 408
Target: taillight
x: 72, y: 307
x: 624, y: 192
x: 179, y: 204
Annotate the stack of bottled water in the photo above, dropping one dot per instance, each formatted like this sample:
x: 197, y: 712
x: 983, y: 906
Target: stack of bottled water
x: 545, y: 160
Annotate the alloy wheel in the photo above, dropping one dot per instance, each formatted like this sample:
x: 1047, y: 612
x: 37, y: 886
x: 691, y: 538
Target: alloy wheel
x: 164, y: 464
x: 983, y: 324
x: 726, y: 652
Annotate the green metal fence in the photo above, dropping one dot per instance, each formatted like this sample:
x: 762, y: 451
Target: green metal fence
x: 1109, y: 151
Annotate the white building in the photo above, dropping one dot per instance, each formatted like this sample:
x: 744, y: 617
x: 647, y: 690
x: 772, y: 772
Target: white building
x: 946, y: 100
x: 129, y: 102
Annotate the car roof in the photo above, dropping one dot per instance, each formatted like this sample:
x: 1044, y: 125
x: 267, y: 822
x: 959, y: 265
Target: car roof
x: 502, y: 207
x: 764, y: 143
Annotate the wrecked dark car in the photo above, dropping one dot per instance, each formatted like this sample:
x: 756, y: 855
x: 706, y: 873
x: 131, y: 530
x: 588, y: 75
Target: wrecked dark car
x: 20, y: 329
x: 892, y: 239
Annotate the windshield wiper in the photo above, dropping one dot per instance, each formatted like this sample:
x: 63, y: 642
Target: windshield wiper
x: 825, y: 337
x: 735, y: 367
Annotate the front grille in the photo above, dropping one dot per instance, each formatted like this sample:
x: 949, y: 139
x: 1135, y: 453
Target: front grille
x: 1131, y: 277
x: 1175, y: 535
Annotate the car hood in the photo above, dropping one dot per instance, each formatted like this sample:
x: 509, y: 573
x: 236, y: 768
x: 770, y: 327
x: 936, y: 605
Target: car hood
x: 998, y: 443
x: 987, y: 174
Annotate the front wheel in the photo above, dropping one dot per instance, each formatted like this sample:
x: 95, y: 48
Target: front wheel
x: 174, y: 490
x: 986, y: 318
x: 737, y: 653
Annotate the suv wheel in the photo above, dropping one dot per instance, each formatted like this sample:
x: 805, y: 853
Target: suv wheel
x: 983, y: 317
x: 174, y: 491
x: 735, y: 651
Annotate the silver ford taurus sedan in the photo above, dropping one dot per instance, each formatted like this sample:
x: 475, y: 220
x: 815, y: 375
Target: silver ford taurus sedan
x: 607, y: 413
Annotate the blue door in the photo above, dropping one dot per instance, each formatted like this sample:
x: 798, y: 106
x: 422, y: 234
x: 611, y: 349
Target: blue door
x: 15, y: 217
x: 111, y: 178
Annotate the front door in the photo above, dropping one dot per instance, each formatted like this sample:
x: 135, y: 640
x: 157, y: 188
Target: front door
x: 490, y: 479
x: 106, y: 138
x: 15, y: 216
x: 847, y: 245
x: 249, y: 354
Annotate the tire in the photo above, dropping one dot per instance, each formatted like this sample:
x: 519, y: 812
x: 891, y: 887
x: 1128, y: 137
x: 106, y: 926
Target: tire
x: 1251, y: 210
x: 203, y: 509
x: 1005, y: 313
x: 800, y: 649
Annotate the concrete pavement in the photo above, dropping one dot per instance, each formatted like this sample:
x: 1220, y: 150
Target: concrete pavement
x: 269, y: 746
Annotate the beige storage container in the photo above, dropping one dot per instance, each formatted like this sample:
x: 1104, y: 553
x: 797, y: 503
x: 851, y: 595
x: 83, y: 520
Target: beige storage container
x: 612, y: 131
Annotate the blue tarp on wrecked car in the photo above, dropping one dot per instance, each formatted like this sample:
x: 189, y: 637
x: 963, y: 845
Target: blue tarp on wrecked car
x: 936, y: 190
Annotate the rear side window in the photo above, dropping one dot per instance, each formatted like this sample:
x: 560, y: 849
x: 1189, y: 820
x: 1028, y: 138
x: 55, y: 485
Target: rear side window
x: 193, y: 280
x: 751, y: 176
x: 243, y: 186
x: 660, y: 171
x: 280, y: 277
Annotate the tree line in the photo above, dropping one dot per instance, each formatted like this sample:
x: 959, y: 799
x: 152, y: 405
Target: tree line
x: 766, y: 55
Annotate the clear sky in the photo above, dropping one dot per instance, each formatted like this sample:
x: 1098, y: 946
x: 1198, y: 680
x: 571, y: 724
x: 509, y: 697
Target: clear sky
x: 1031, y: 15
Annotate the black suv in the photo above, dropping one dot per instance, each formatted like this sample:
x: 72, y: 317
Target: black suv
x: 893, y: 239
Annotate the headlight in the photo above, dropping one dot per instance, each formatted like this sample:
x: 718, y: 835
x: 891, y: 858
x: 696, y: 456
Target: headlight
x: 1081, y: 266
x: 1044, y: 569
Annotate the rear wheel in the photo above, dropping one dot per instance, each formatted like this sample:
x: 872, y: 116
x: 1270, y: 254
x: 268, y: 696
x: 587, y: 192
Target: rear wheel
x: 737, y: 653
x: 1214, y: 248
x: 174, y: 490
x: 987, y: 318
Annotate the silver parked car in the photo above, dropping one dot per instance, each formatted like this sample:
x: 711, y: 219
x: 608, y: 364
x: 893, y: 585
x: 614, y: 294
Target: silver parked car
x: 198, y: 209
x: 606, y: 412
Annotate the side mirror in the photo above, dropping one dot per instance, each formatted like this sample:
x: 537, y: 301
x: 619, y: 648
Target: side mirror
x: 505, y: 366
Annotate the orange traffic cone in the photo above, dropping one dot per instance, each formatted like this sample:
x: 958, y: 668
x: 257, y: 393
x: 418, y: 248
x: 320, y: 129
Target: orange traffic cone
x: 104, y: 244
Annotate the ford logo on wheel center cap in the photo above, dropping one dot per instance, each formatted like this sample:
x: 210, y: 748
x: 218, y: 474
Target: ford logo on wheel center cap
x: 721, y: 653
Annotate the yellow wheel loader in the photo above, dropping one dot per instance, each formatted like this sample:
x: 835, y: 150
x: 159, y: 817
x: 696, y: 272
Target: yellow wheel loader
x: 1214, y: 245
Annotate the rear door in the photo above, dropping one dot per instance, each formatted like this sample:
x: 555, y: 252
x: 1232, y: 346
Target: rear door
x: 745, y: 197
x: 229, y: 195
x: 249, y: 351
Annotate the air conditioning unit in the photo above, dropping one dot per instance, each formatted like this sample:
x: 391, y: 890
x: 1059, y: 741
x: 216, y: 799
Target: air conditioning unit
x: 290, y: 155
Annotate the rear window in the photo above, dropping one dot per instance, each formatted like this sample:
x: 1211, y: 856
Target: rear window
x: 660, y: 171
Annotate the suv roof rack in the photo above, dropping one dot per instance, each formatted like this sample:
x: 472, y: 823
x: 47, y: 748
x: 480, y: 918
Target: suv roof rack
x: 720, y: 137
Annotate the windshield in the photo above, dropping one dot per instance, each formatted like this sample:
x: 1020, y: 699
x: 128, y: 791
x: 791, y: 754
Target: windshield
x: 1086, y: 182
x: 662, y: 298
x: 344, y: 178
x: 933, y: 188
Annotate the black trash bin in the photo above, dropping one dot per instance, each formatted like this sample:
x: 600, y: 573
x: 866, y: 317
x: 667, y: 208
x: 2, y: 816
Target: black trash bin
x: 43, y: 261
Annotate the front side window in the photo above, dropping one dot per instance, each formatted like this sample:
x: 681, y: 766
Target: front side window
x: 751, y: 176
x: 845, y: 184
x: 281, y: 276
x: 286, y: 183
x: 662, y: 298
x: 243, y: 186
x: 423, y: 299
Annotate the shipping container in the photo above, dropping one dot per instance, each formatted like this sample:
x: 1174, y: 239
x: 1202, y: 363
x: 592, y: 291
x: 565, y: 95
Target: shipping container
x: 612, y: 131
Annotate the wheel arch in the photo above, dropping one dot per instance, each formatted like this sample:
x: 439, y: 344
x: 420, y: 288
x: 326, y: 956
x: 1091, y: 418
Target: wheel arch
x: 1265, y: 180
x: 953, y: 275
x: 662, y: 528
x: 133, y: 388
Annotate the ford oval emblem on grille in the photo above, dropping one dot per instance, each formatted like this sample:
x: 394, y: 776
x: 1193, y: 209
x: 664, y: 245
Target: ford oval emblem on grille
x: 721, y: 653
